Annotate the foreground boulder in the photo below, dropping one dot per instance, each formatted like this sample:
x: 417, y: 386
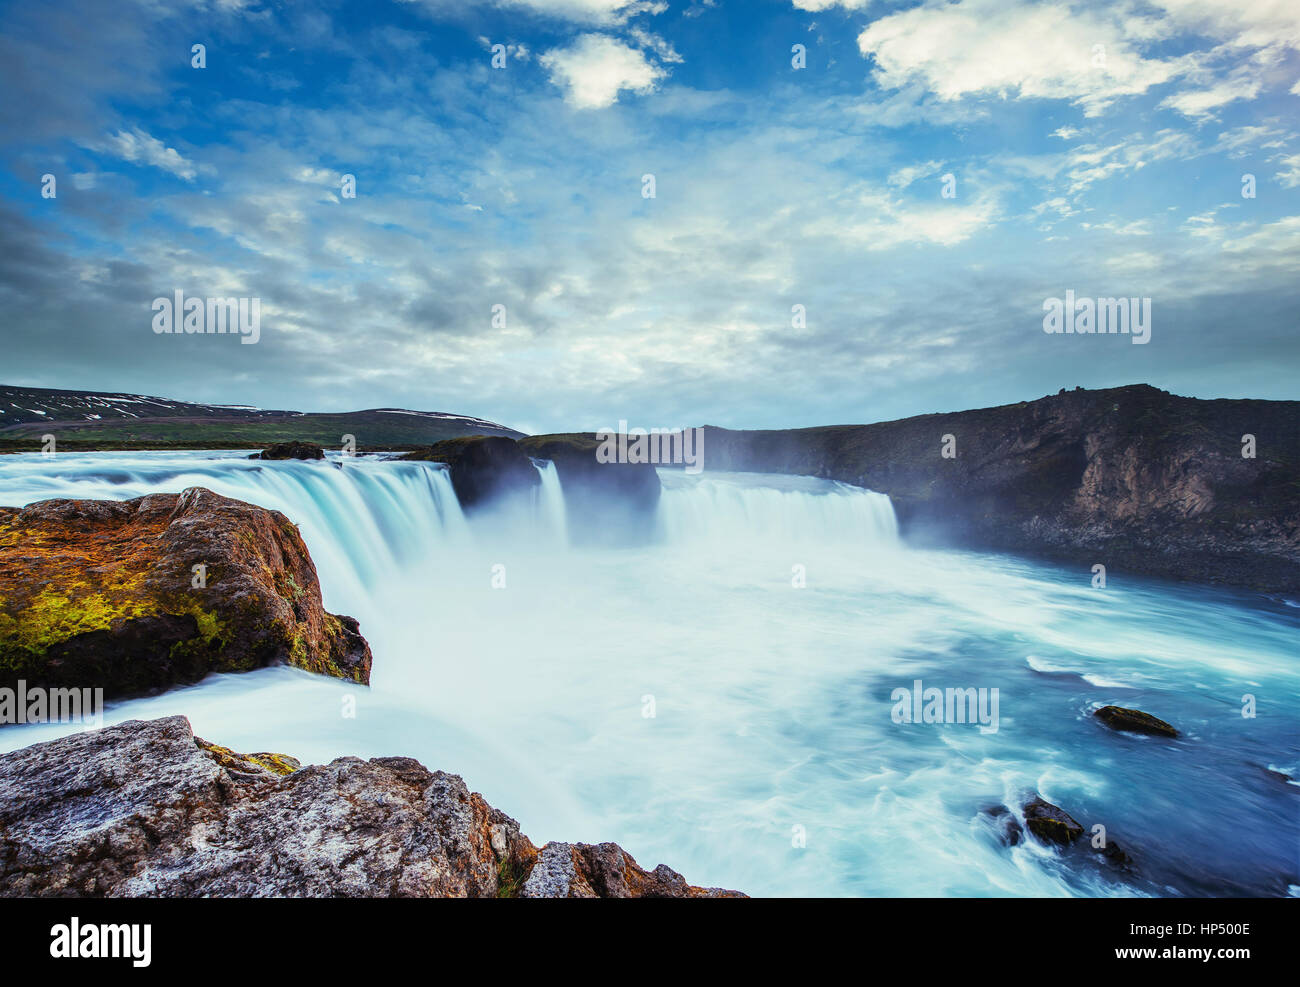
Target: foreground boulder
x: 144, y: 808
x: 605, y: 502
x: 291, y: 450
x: 140, y: 595
x: 1134, y: 721
x: 484, y: 469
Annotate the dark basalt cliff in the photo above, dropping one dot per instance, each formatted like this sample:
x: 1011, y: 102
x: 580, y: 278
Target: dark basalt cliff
x: 145, y: 808
x: 484, y: 469
x: 1134, y: 478
x: 605, y: 503
x: 106, y: 594
x: 291, y: 450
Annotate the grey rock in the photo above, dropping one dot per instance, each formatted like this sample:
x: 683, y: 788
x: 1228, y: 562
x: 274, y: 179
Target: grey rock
x: 144, y: 808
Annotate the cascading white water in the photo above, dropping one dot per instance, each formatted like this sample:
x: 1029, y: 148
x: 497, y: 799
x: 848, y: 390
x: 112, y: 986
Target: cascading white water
x: 551, y: 502
x: 737, y: 508
x: 696, y: 702
x: 361, y: 519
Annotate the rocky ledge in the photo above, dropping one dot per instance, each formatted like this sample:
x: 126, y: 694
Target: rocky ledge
x: 146, y: 808
x: 291, y: 450
x: 139, y: 595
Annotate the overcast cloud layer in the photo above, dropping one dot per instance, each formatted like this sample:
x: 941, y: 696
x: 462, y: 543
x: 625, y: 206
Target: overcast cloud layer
x: 1098, y: 147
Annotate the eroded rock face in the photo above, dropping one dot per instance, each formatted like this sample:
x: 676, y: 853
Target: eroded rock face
x: 485, y: 470
x: 144, y: 808
x: 104, y: 594
x: 291, y: 450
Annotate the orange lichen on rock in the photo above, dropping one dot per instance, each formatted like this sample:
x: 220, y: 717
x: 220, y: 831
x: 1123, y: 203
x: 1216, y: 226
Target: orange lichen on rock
x: 136, y: 596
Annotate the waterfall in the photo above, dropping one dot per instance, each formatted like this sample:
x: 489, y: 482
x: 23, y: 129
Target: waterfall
x: 693, y: 697
x: 551, y: 501
x: 739, y: 508
x: 367, y: 520
x: 363, y: 520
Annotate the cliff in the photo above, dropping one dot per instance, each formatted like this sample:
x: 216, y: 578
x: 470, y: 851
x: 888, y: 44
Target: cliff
x: 1134, y: 478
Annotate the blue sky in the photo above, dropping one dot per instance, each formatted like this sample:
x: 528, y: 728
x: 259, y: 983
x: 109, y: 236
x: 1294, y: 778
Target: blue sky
x: 1093, y: 147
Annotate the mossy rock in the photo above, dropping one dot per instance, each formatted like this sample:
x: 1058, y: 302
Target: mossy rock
x: 1050, y: 823
x: 255, y: 765
x: 137, y: 596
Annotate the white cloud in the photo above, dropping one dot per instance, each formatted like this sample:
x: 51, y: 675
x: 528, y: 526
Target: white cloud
x: 1021, y: 49
x: 817, y: 5
x: 140, y: 148
x: 1139, y: 227
x: 596, y: 68
x: 1242, y: 23
x: 1088, y: 54
x: 873, y: 220
x: 1240, y: 141
x: 905, y: 176
x: 1090, y: 163
x: 1289, y: 177
x: 1203, y: 102
x: 1065, y: 133
x: 600, y: 12
x: 1244, y: 82
x: 664, y: 51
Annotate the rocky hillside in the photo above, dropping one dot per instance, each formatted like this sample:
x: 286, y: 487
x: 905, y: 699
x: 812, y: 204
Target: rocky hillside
x: 1134, y: 478
x: 106, y: 594
x: 146, y: 808
x: 109, y: 419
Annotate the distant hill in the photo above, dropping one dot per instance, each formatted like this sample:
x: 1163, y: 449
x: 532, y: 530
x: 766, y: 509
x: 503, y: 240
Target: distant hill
x: 91, y: 417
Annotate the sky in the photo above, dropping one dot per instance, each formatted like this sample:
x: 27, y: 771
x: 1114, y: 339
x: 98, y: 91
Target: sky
x: 859, y: 208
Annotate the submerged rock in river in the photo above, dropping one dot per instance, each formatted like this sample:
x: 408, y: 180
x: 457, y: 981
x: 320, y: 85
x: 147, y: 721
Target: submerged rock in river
x: 1050, y: 823
x: 140, y: 595
x: 145, y: 808
x: 1134, y: 721
x: 1053, y: 825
